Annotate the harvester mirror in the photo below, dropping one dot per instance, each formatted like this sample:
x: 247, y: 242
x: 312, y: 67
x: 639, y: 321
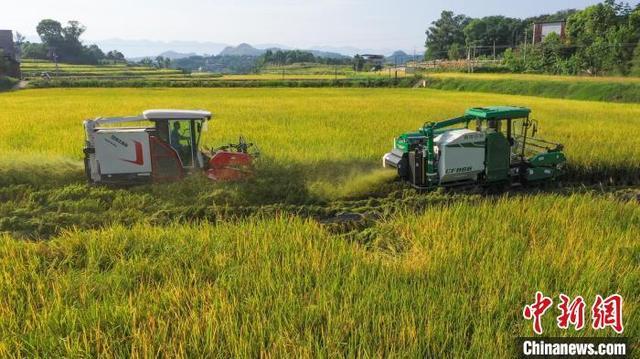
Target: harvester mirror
x: 535, y: 128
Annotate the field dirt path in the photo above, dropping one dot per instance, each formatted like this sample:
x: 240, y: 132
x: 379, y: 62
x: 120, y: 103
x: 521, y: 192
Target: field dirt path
x: 420, y: 83
x: 22, y: 84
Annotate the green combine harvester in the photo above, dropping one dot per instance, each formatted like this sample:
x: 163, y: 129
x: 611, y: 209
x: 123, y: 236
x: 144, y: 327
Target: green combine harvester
x: 496, y: 151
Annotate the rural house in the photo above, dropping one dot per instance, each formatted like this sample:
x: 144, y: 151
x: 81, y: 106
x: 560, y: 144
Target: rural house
x: 375, y: 61
x: 9, y: 52
x: 542, y: 29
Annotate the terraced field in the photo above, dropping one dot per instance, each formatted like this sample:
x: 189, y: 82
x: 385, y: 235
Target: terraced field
x: 267, y: 268
x: 67, y: 75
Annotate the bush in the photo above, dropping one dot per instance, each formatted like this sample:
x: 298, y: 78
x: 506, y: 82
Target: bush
x: 7, y: 83
x: 577, y: 90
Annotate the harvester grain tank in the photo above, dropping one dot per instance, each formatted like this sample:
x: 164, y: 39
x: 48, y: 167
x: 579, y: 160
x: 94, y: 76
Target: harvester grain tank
x: 489, y: 146
x: 166, y: 151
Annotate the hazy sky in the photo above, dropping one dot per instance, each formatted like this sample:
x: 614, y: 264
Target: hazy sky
x: 298, y: 23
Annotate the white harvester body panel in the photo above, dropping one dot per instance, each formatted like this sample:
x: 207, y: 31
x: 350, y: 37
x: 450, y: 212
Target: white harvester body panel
x: 122, y: 151
x: 461, y: 155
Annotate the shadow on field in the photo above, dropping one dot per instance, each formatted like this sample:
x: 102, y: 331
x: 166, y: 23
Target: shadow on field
x: 38, y: 207
x: 346, y: 196
x: 604, y: 174
x: 40, y: 172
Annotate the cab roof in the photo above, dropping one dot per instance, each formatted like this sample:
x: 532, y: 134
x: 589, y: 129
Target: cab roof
x: 168, y: 114
x: 498, y: 112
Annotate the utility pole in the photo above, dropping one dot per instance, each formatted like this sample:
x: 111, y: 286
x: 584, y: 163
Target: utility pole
x: 494, y: 50
x: 473, y: 59
x: 55, y: 59
x: 526, y: 34
x: 395, y: 59
x: 469, y: 58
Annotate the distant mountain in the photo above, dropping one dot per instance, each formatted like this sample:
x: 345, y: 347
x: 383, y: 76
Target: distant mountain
x: 326, y: 55
x: 248, y: 50
x: 351, y: 51
x: 399, y: 57
x: 138, y: 49
x: 241, y: 50
x: 272, y: 46
x: 148, y: 48
x: 173, y: 55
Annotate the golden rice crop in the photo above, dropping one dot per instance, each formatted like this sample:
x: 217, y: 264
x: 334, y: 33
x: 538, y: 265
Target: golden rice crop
x: 441, y: 283
x: 329, y: 131
x: 153, y: 270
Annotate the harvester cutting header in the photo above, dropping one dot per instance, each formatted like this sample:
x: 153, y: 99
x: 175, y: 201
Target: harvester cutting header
x: 497, y: 151
x: 166, y: 151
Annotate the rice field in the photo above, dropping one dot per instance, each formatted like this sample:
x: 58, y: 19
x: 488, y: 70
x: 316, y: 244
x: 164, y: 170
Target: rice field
x: 33, y: 70
x: 321, y: 128
x: 260, y: 269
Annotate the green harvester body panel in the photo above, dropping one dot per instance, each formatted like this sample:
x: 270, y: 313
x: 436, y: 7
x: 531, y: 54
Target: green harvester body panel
x: 548, y: 159
x: 496, y: 157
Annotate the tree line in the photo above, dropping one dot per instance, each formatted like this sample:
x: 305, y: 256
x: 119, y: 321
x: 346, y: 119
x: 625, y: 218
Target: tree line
x: 288, y: 57
x: 62, y: 43
x: 600, y: 39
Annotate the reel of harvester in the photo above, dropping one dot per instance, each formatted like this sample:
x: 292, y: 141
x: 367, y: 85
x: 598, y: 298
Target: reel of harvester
x: 233, y: 161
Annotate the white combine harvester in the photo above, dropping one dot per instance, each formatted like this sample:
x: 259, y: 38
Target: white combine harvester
x: 166, y: 151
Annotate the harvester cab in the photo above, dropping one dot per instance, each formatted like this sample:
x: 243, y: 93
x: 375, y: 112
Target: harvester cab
x: 485, y: 146
x: 166, y: 151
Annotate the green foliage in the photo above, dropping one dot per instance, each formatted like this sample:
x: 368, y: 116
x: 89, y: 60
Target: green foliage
x: 601, y: 34
x: 62, y: 43
x: 491, y: 30
x: 455, y: 52
x: 219, y: 64
x: 635, y: 62
x: 286, y: 57
x: 445, y: 32
x: 115, y: 56
x: 163, y: 62
x: 32, y: 50
x: 50, y: 32
x: 7, y: 83
x: 551, y: 56
x: 358, y: 63
x: 599, y: 40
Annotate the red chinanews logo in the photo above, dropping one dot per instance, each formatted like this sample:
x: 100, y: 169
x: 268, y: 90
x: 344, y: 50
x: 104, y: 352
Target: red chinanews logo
x: 139, y: 155
x: 605, y: 312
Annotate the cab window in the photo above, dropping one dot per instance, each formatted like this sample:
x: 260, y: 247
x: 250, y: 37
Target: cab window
x: 180, y: 140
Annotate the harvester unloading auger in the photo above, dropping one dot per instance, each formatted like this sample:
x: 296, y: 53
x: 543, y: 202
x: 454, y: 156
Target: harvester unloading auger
x: 166, y: 151
x: 498, y: 151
